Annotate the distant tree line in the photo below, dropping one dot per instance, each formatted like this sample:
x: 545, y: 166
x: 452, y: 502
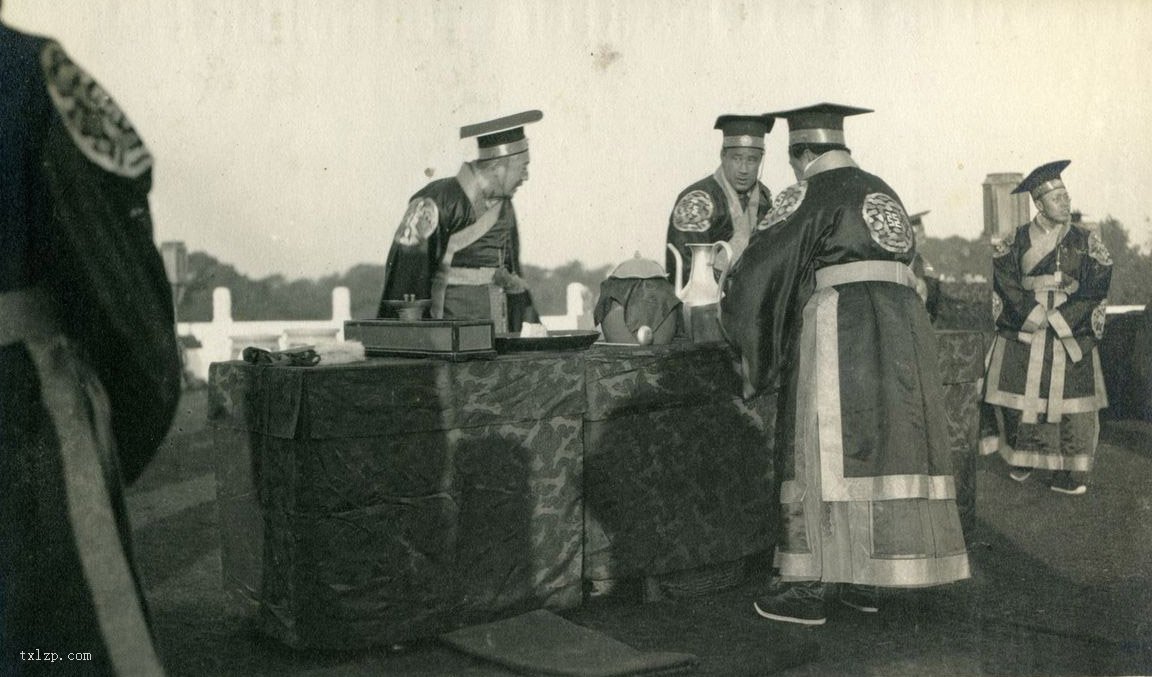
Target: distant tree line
x: 276, y: 297
x: 1131, y: 274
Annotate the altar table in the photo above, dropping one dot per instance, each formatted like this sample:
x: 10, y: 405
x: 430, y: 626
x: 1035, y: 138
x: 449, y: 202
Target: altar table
x: 393, y: 499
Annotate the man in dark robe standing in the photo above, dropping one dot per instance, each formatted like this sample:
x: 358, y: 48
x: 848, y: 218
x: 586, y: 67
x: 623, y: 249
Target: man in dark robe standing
x: 1050, y: 295
x: 823, y: 306
x: 458, y: 243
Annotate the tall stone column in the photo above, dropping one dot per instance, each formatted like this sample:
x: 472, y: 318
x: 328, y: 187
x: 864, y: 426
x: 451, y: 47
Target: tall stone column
x: 1003, y: 211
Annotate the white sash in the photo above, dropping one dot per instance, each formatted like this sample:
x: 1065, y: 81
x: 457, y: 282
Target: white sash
x: 743, y: 220
x: 457, y: 241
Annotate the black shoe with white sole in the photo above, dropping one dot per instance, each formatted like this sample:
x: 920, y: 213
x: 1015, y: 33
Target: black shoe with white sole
x: 801, y: 603
x: 1063, y: 483
x: 865, y: 598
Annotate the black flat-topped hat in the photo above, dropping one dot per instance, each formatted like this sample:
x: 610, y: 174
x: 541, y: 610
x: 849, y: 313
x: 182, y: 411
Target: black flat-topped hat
x: 503, y: 136
x: 744, y: 131
x: 821, y: 123
x: 1043, y: 179
x: 917, y: 219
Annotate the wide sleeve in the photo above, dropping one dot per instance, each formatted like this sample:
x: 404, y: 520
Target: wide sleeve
x: 764, y: 296
x: 1082, y: 315
x: 520, y: 305
x: 1018, y: 311
x: 104, y: 268
x: 689, y: 223
x: 415, y: 253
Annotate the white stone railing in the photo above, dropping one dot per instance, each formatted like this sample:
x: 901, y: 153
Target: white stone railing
x: 223, y: 338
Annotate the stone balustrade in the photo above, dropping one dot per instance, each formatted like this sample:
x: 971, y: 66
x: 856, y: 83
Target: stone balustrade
x: 223, y: 338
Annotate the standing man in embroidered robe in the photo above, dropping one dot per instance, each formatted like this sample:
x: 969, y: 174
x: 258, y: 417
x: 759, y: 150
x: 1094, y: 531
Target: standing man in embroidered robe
x: 1050, y: 288
x: 89, y: 367
x: 823, y: 306
x: 728, y: 204
x: 458, y: 243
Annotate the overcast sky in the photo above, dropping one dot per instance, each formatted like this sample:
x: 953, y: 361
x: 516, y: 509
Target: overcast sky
x: 289, y: 134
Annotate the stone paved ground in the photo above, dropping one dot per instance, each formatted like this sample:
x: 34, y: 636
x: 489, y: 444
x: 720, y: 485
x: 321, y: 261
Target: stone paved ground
x: 1061, y: 586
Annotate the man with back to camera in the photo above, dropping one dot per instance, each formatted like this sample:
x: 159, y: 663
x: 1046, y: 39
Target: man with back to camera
x: 458, y: 243
x: 728, y: 204
x: 1050, y: 288
x: 823, y: 306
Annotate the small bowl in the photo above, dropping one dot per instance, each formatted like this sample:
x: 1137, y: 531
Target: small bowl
x: 410, y: 311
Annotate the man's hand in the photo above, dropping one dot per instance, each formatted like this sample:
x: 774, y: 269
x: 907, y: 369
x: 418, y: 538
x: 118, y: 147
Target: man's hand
x: 510, y: 282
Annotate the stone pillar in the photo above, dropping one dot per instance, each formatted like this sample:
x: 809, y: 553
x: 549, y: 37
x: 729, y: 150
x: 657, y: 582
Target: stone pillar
x: 1003, y: 211
x: 579, y: 305
x: 221, y: 304
x: 218, y: 339
x: 341, y: 304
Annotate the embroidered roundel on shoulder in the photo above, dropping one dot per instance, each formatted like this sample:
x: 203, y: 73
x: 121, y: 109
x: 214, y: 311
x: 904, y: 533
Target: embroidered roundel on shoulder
x: 1097, y: 250
x: 693, y: 213
x: 419, y: 222
x: 96, y: 124
x: 785, y: 204
x: 1001, y: 246
x: 887, y: 223
x: 1099, y: 315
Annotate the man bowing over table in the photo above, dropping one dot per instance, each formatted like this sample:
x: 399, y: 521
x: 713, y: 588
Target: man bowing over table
x: 458, y: 244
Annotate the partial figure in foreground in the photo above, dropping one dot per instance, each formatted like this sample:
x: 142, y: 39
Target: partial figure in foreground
x: 823, y: 306
x: 1049, y: 298
x: 458, y: 246
x: 91, y: 371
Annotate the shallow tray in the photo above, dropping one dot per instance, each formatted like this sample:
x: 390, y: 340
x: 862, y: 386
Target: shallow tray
x: 568, y: 339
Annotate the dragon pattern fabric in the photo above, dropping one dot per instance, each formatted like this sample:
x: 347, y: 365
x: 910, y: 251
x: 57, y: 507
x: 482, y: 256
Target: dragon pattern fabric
x: 693, y: 212
x: 98, y: 126
x: 788, y: 201
x: 887, y: 223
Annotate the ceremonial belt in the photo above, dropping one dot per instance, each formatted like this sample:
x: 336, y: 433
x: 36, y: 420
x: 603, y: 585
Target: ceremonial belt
x: 1053, y: 283
x: 865, y: 271
x: 26, y: 314
x: 469, y: 277
x: 1049, y: 295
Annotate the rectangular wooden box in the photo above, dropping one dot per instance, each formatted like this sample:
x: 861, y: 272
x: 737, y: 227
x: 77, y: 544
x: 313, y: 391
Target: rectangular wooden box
x: 447, y: 339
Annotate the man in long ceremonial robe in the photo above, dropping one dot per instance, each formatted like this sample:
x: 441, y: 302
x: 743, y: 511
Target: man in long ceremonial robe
x: 458, y: 243
x: 823, y: 306
x: 727, y: 205
x: 89, y: 366
x: 1050, y: 289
